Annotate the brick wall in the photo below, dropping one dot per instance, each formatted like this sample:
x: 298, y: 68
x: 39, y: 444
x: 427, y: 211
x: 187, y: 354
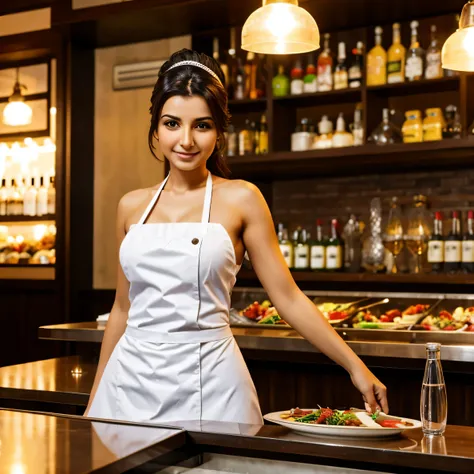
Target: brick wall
x: 301, y: 202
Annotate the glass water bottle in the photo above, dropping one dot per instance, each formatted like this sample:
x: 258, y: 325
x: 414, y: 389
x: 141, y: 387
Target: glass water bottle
x: 433, y: 403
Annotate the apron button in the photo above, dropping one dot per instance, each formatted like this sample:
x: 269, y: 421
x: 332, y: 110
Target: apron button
x: 195, y: 241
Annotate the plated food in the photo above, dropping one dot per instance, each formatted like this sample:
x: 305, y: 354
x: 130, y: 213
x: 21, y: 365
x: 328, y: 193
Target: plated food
x: 337, y: 312
x: 332, y: 422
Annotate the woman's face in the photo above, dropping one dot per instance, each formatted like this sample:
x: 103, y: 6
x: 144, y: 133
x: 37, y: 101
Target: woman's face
x: 186, y: 132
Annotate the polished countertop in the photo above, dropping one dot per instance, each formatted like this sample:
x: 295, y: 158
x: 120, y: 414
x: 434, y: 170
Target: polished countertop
x: 45, y: 443
x: 457, y: 347
x: 66, y: 380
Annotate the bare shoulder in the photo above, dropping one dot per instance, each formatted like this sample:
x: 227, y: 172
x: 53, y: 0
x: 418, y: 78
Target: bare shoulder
x: 133, y: 199
x: 240, y: 189
x: 131, y: 204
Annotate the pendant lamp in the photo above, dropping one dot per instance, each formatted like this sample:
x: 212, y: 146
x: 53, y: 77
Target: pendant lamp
x: 280, y: 27
x: 458, y: 51
x: 17, y: 112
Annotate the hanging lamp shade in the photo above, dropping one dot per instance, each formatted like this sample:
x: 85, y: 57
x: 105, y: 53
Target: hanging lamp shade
x: 458, y: 50
x: 17, y: 112
x: 280, y: 27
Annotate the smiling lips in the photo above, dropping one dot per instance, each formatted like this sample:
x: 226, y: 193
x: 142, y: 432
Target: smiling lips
x: 185, y: 155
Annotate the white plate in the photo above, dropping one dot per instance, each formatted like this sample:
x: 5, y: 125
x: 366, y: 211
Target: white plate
x: 344, y: 431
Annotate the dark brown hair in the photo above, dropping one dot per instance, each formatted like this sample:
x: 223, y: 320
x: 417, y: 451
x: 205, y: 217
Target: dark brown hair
x: 188, y: 81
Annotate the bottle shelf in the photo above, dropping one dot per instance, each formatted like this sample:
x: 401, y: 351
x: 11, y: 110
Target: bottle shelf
x: 22, y: 218
x: 321, y: 98
x: 27, y: 272
x: 339, y: 161
x: 428, y: 278
x: 423, y: 86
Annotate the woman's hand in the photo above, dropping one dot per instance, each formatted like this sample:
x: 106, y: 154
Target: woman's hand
x: 373, y: 391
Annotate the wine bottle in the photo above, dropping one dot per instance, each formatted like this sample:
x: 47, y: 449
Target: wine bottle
x: 453, y: 246
x: 436, y: 245
x: 468, y: 245
x: 334, y: 248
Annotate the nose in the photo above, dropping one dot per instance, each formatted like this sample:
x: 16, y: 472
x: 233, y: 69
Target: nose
x: 187, y: 139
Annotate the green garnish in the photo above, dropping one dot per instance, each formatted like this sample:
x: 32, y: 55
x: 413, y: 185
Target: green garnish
x: 375, y: 415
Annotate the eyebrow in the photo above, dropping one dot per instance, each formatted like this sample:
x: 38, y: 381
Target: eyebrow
x: 199, y: 119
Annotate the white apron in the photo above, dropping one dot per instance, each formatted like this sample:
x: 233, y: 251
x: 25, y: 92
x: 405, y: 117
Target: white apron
x: 177, y: 359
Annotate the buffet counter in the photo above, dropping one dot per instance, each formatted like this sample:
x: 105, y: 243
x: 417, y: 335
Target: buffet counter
x: 73, y: 444
x: 458, y: 347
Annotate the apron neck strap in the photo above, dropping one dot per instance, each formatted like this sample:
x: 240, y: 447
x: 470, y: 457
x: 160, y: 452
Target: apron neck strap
x: 152, y: 202
x: 206, y: 210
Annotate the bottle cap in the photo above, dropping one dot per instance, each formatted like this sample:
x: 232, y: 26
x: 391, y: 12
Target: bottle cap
x: 455, y: 214
x: 319, y: 222
x: 433, y: 346
x: 470, y: 215
x: 438, y: 215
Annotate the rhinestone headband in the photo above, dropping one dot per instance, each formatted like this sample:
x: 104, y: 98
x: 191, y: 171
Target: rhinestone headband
x: 196, y: 64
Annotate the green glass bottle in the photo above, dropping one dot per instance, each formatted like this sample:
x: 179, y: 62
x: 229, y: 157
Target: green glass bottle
x: 280, y: 83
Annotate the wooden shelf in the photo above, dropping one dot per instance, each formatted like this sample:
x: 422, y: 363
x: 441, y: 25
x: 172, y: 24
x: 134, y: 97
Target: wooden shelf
x: 321, y: 98
x: 27, y: 272
x: 47, y: 217
x: 424, y: 86
x: 339, y: 161
x: 259, y: 103
x: 426, y: 278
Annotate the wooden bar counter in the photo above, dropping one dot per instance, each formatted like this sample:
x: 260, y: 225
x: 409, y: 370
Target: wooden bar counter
x: 72, y: 444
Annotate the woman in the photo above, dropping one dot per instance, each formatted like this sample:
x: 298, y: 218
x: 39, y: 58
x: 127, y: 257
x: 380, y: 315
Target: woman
x: 168, y: 353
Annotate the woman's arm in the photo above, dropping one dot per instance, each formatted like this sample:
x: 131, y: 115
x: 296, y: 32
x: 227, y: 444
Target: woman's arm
x: 117, y: 321
x: 292, y: 304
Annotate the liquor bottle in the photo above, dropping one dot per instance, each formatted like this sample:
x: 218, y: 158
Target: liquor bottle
x: 301, y: 249
x: 415, y: 56
x: 396, y: 58
x: 325, y: 64
x: 250, y: 70
x: 377, y: 61
x: 254, y: 136
x: 468, y: 245
x: 310, y: 83
x: 216, y: 56
x: 3, y: 198
x: 434, y: 400
x: 286, y: 246
x: 358, y: 128
x: 29, y: 200
x: 318, y: 249
x: 42, y: 199
x: 232, y: 64
x: 296, y: 85
x: 453, y: 246
x: 334, y: 249
x: 280, y: 83
x: 433, y: 57
x: 239, y: 86
x: 15, y: 206
x: 436, y: 245
x: 386, y: 132
x: 246, y: 139
x: 263, y: 136
x: 352, y: 245
x: 342, y: 137
x: 51, y: 196
x: 355, y: 71
x: 452, y: 127
x: 341, y: 75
